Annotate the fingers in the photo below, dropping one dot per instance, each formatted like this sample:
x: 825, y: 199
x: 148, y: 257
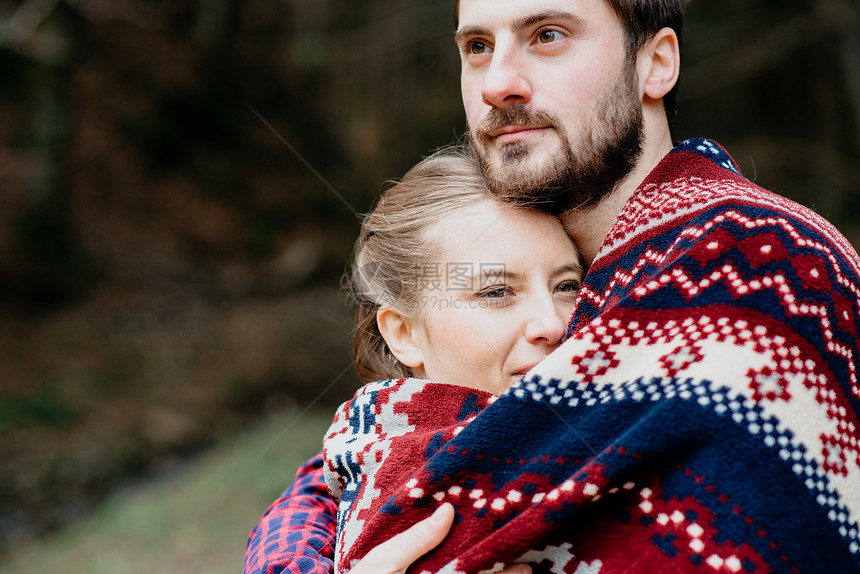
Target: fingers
x: 395, y: 555
x: 398, y: 553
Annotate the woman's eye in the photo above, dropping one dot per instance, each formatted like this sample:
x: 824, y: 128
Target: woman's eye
x: 548, y: 36
x: 568, y: 287
x: 494, y: 292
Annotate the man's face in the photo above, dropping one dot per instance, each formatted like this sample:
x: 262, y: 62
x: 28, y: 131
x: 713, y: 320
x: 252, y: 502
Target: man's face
x: 553, y: 104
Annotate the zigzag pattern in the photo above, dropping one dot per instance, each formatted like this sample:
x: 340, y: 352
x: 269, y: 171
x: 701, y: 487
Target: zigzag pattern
x: 735, y: 279
x: 623, y: 279
x: 655, y: 205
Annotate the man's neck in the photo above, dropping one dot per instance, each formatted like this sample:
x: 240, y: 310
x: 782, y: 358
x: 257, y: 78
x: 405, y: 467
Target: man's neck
x: 589, y: 227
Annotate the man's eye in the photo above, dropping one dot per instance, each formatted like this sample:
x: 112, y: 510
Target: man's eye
x: 548, y: 36
x: 477, y: 48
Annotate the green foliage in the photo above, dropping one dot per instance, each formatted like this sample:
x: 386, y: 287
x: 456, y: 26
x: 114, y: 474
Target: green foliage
x: 46, y: 407
x: 196, y: 518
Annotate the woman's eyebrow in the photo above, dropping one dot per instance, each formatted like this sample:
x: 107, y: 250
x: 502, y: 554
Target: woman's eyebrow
x: 567, y: 268
x: 488, y: 273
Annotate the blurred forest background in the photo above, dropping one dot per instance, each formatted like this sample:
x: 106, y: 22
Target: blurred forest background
x: 179, y: 188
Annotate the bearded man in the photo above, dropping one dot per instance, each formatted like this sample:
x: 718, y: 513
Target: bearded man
x: 702, y: 415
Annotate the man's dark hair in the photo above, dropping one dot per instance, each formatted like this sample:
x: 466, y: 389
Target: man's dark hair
x: 642, y: 19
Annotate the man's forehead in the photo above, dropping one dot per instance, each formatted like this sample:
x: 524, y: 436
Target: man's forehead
x: 477, y: 12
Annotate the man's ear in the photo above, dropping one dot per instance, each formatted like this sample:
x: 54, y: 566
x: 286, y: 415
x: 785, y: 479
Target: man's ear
x: 661, y: 63
x: 402, y: 337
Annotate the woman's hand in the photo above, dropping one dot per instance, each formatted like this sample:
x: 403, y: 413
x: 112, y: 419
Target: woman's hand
x: 395, y: 555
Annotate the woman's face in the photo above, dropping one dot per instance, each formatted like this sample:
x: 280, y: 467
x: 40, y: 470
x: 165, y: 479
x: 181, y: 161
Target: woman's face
x: 499, y: 297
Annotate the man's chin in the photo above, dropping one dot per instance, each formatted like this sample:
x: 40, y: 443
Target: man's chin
x: 520, y: 159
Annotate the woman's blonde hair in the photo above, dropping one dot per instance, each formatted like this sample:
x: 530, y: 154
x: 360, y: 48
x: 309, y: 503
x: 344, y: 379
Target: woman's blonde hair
x: 395, y: 249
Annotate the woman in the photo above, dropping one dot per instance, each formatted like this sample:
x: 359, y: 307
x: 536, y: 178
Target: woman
x: 449, y: 289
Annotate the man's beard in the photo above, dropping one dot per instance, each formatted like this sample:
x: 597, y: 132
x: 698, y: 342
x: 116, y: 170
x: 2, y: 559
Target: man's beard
x: 574, y: 177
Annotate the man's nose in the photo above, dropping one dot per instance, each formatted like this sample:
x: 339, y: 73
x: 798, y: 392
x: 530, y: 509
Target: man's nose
x: 506, y: 80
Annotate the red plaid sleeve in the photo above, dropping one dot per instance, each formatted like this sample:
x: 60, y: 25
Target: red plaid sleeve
x: 296, y: 533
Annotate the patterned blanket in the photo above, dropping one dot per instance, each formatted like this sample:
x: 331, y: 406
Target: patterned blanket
x: 376, y: 442
x: 701, y: 417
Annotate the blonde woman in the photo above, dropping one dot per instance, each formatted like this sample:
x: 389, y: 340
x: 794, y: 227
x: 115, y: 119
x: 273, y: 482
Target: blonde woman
x: 453, y: 305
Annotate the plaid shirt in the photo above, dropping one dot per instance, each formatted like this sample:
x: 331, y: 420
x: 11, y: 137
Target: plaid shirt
x: 296, y: 533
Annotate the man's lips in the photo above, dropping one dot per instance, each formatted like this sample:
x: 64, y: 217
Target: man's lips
x: 515, y: 131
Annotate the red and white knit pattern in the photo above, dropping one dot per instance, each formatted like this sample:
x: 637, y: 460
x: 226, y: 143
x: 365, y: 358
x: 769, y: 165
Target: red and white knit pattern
x: 701, y: 417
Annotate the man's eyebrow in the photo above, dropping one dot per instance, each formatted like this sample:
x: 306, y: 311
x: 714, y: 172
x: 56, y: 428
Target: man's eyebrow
x: 520, y: 23
x: 469, y: 31
x: 535, y: 19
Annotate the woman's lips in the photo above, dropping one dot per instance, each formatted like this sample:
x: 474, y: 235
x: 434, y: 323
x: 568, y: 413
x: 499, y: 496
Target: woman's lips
x: 519, y: 373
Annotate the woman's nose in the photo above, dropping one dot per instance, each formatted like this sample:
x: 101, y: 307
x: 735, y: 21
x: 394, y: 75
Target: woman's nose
x: 545, y: 323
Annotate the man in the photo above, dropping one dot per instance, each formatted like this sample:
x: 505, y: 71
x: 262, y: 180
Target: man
x: 703, y: 414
